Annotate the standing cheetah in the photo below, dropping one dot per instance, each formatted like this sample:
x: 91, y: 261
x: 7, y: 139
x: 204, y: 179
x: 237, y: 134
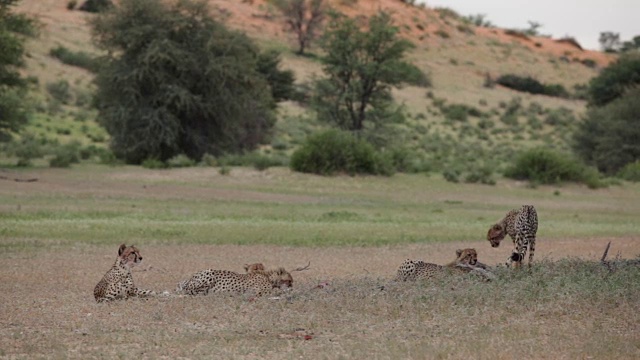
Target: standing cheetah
x: 521, y: 225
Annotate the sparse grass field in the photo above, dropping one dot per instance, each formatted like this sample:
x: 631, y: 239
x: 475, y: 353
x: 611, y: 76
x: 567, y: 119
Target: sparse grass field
x: 59, y: 235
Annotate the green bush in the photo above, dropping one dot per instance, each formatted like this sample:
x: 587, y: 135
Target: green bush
x: 180, y: 160
x: 335, y: 151
x: 613, y: 80
x: 154, y: 164
x: 631, y: 172
x: 608, y: 136
x: 545, y: 166
x: 80, y: 59
x: 531, y: 85
x: 26, y: 149
x: 96, y: 6
x: 60, y: 91
x: 65, y: 155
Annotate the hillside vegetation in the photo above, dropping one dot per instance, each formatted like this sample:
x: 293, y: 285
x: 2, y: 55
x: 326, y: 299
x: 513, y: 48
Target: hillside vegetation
x: 464, y: 120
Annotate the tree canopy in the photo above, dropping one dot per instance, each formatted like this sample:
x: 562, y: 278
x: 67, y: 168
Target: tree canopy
x: 615, y: 79
x: 609, y: 137
x: 304, y: 18
x: 177, y: 81
x: 13, y: 109
x: 361, y: 67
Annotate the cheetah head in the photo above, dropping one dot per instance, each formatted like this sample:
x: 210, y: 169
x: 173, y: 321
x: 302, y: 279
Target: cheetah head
x: 496, y: 233
x: 281, y: 278
x: 129, y: 255
x: 467, y: 256
x: 249, y: 268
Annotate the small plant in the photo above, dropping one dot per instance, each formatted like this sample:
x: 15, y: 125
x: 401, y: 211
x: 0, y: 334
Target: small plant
x: 66, y: 155
x: 80, y: 59
x: 154, y: 164
x: 180, y: 160
x: 630, y: 172
x: 209, y: 160
x: 224, y: 170
x: 96, y: 6
x: 60, y: 91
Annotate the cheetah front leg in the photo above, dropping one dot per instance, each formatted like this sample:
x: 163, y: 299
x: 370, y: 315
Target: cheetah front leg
x: 521, y: 242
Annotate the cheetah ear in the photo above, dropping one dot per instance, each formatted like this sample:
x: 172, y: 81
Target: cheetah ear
x: 497, y: 227
x: 246, y: 267
x: 122, y: 247
x: 458, y: 252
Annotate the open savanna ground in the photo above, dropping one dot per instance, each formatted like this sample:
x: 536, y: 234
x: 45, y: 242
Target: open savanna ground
x: 60, y: 234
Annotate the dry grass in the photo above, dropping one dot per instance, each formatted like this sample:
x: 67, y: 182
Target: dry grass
x: 569, y: 309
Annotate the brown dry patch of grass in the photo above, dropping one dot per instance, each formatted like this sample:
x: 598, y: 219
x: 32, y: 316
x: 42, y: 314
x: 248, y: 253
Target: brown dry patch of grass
x: 48, y: 309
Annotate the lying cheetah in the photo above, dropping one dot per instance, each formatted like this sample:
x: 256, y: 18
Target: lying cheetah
x: 260, y: 282
x: 411, y: 270
x: 117, y: 283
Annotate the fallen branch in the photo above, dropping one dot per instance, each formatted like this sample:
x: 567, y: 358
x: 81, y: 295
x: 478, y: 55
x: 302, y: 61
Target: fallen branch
x: 18, y: 179
x: 603, y: 260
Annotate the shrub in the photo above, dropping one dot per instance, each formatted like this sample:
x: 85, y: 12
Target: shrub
x: 79, y: 59
x: 65, y: 155
x: 60, y: 91
x: 455, y: 112
x: 531, y: 85
x: 608, y: 136
x: 631, y: 172
x: 209, y: 160
x: 545, y: 166
x: 615, y: 79
x: 154, y: 164
x: 180, y: 160
x: 480, y: 174
x: 26, y: 149
x: 335, y: 151
x: 96, y: 6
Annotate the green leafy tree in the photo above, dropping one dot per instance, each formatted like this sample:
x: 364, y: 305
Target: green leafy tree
x: 304, y: 18
x: 609, y: 137
x: 633, y: 44
x: 615, y: 79
x: 609, y: 41
x: 177, y: 81
x: 361, y: 67
x: 13, y: 108
x: 281, y: 81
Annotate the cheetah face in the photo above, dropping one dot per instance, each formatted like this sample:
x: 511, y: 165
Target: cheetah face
x: 130, y: 255
x: 496, y: 234
x: 249, y: 268
x: 282, y: 279
x: 467, y: 256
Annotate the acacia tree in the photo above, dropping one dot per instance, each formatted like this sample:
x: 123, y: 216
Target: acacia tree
x: 304, y: 18
x: 13, y: 108
x: 176, y: 81
x: 362, y: 65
